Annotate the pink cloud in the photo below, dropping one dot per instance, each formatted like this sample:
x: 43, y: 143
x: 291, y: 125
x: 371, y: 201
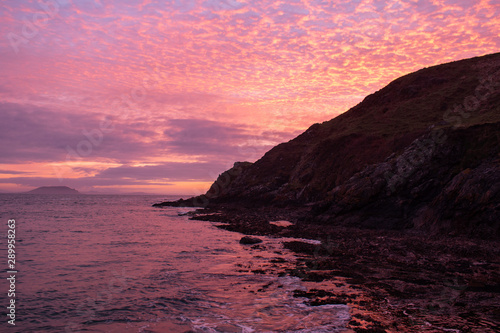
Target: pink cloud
x: 231, y: 70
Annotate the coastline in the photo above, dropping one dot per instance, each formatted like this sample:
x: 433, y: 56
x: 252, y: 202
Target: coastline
x: 392, y: 280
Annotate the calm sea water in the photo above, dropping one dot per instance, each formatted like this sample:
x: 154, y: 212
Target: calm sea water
x: 96, y: 263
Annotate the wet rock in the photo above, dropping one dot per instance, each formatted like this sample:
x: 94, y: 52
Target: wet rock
x: 248, y: 240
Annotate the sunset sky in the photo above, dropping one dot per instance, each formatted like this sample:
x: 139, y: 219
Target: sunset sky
x: 162, y: 96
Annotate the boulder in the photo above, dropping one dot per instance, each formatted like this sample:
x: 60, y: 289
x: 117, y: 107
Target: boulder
x: 248, y: 240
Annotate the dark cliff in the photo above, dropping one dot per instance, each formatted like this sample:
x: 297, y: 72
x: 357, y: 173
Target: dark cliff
x: 423, y: 152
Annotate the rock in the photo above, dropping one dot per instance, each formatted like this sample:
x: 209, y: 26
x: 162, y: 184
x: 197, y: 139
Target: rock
x: 250, y: 240
x: 198, y: 201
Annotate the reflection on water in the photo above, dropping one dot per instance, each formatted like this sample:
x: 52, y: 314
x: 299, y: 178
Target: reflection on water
x: 115, y: 264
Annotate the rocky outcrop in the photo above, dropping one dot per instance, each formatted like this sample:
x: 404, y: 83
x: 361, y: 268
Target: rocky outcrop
x: 420, y: 153
x: 248, y: 240
x: 220, y: 188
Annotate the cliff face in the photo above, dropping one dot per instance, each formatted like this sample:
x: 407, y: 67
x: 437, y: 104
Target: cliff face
x: 421, y: 152
x: 445, y: 181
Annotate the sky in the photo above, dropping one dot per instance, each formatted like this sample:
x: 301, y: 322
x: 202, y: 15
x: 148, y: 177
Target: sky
x: 110, y: 96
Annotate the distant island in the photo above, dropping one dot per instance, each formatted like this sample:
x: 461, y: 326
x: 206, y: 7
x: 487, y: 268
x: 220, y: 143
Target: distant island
x: 53, y: 190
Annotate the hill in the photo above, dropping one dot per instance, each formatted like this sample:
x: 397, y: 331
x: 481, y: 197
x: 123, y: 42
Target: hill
x: 53, y: 190
x: 423, y: 152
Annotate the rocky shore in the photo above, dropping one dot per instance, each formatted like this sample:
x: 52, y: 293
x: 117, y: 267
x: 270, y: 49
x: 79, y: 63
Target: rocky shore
x: 394, y: 281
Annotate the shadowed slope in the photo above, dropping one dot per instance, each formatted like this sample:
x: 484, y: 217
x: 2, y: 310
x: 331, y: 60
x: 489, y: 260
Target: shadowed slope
x: 392, y: 160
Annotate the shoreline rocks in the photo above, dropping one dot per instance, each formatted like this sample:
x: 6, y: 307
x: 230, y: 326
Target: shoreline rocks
x: 394, y: 281
x: 248, y: 240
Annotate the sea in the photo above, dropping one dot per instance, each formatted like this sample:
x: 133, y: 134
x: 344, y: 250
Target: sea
x: 114, y: 263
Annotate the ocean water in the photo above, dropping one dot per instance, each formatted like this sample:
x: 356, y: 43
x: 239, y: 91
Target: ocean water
x: 98, y: 263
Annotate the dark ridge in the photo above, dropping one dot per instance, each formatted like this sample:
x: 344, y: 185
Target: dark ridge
x: 421, y: 153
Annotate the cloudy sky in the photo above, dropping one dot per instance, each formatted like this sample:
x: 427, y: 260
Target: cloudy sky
x: 162, y: 96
